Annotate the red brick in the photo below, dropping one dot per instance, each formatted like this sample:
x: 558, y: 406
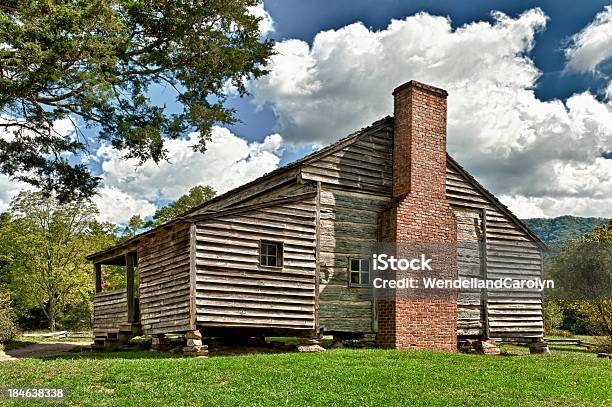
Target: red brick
x: 420, y: 214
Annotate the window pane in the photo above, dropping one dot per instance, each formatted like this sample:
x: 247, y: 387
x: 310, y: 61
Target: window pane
x: 365, y: 265
x: 270, y: 254
x: 355, y: 278
x: 354, y: 265
x: 365, y: 277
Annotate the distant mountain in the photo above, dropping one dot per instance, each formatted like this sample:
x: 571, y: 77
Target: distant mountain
x: 562, y: 228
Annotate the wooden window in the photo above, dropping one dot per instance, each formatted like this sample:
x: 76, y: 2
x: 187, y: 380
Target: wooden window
x: 270, y: 254
x: 359, y: 272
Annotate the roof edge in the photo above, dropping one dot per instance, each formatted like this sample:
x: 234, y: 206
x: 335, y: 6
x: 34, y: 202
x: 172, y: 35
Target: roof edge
x: 496, y: 201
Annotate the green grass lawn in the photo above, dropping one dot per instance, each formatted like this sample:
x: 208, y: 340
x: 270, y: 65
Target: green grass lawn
x: 364, y: 377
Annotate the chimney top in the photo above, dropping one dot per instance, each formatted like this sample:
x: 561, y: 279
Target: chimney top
x: 414, y: 84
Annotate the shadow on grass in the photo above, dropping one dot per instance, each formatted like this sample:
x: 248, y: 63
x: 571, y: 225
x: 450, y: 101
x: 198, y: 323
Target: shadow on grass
x: 15, y: 344
x: 104, y: 355
x: 518, y: 349
x: 570, y: 349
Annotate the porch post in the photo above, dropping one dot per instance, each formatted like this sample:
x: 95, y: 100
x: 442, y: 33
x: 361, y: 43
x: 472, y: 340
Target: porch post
x: 129, y: 275
x: 98, y: 277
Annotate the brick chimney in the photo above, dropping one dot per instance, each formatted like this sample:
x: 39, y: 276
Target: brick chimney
x: 420, y: 215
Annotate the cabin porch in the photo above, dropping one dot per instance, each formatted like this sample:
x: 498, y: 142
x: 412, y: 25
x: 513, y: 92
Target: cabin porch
x: 116, y: 311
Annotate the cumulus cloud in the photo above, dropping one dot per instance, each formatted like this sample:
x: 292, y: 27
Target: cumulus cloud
x: 266, y: 24
x: 591, y: 46
x: 229, y: 161
x: 117, y: 206
x: 517, y: 145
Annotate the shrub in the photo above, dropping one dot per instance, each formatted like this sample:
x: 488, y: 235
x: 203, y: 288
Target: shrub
x: 553, y: 315
x: 559, y: 332
x: 7, y: 318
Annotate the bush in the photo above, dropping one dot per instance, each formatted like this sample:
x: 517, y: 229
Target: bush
x: 7, y: 318
x: 553, y: 316
x: 559, y: 332
x: 577, y: 321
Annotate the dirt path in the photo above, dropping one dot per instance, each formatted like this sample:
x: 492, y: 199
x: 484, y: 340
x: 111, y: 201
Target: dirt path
x: 41, y: 349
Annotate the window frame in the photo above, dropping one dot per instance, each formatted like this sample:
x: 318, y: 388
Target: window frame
x: 279, y: 253
x: 359, y: 272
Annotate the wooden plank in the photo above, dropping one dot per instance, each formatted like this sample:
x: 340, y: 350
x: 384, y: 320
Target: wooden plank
x: 317, y: 309
x: 97, y: 277
x: 129, y: 275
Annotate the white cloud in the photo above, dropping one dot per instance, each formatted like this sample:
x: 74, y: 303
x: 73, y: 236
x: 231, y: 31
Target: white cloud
x: 228, y: 162
x: 266, y: 24
x: 591, y: 46
x: 531, y: 207
x: 9, y: 188
x: 516, y: 144
x: 117, y: 206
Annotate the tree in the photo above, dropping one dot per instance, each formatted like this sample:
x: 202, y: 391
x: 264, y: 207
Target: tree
x: 46, y: 249
x: 135, y: 224
x: 96, y: 63
x: 582, y: 272
x: 7, y: 318
x: 196, y: 196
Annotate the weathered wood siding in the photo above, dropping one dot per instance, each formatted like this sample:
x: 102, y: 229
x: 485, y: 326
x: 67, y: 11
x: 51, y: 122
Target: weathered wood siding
x: 470, y: 306
x: 233, y: 290
x: 251, y: 191
x: 365, y: 164
x: 349, y: 222
x: 511, y: 253
x: 356, y: 186
x: 164, y: 282
x: 110, y: 311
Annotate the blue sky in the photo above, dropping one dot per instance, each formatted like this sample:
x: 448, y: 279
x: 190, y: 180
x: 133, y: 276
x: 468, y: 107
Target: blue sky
x: 530, y: 110
x: 304, y: 19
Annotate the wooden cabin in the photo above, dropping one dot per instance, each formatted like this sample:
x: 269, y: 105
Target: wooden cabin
x: 274, y: 256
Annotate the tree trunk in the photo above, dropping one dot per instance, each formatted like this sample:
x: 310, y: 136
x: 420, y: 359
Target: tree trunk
x: 52, y: 312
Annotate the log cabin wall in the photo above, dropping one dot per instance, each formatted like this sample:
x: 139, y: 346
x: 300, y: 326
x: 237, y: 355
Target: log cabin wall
x: 209, y: 274
x: 356, y: 187
x: 470, y: 262
x: 164, y: 280
x: 508, y: 252
x: 234, y: 291
x: 349, y: 222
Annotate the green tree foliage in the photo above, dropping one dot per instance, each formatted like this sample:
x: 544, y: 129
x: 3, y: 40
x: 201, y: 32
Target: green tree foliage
x: 563, y: 228
x: 44, y: 246
x: 7, y: 318
x: 583, y: 277
x: 195, y: 197
x: 95, y: 62
x: 134, y: 226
